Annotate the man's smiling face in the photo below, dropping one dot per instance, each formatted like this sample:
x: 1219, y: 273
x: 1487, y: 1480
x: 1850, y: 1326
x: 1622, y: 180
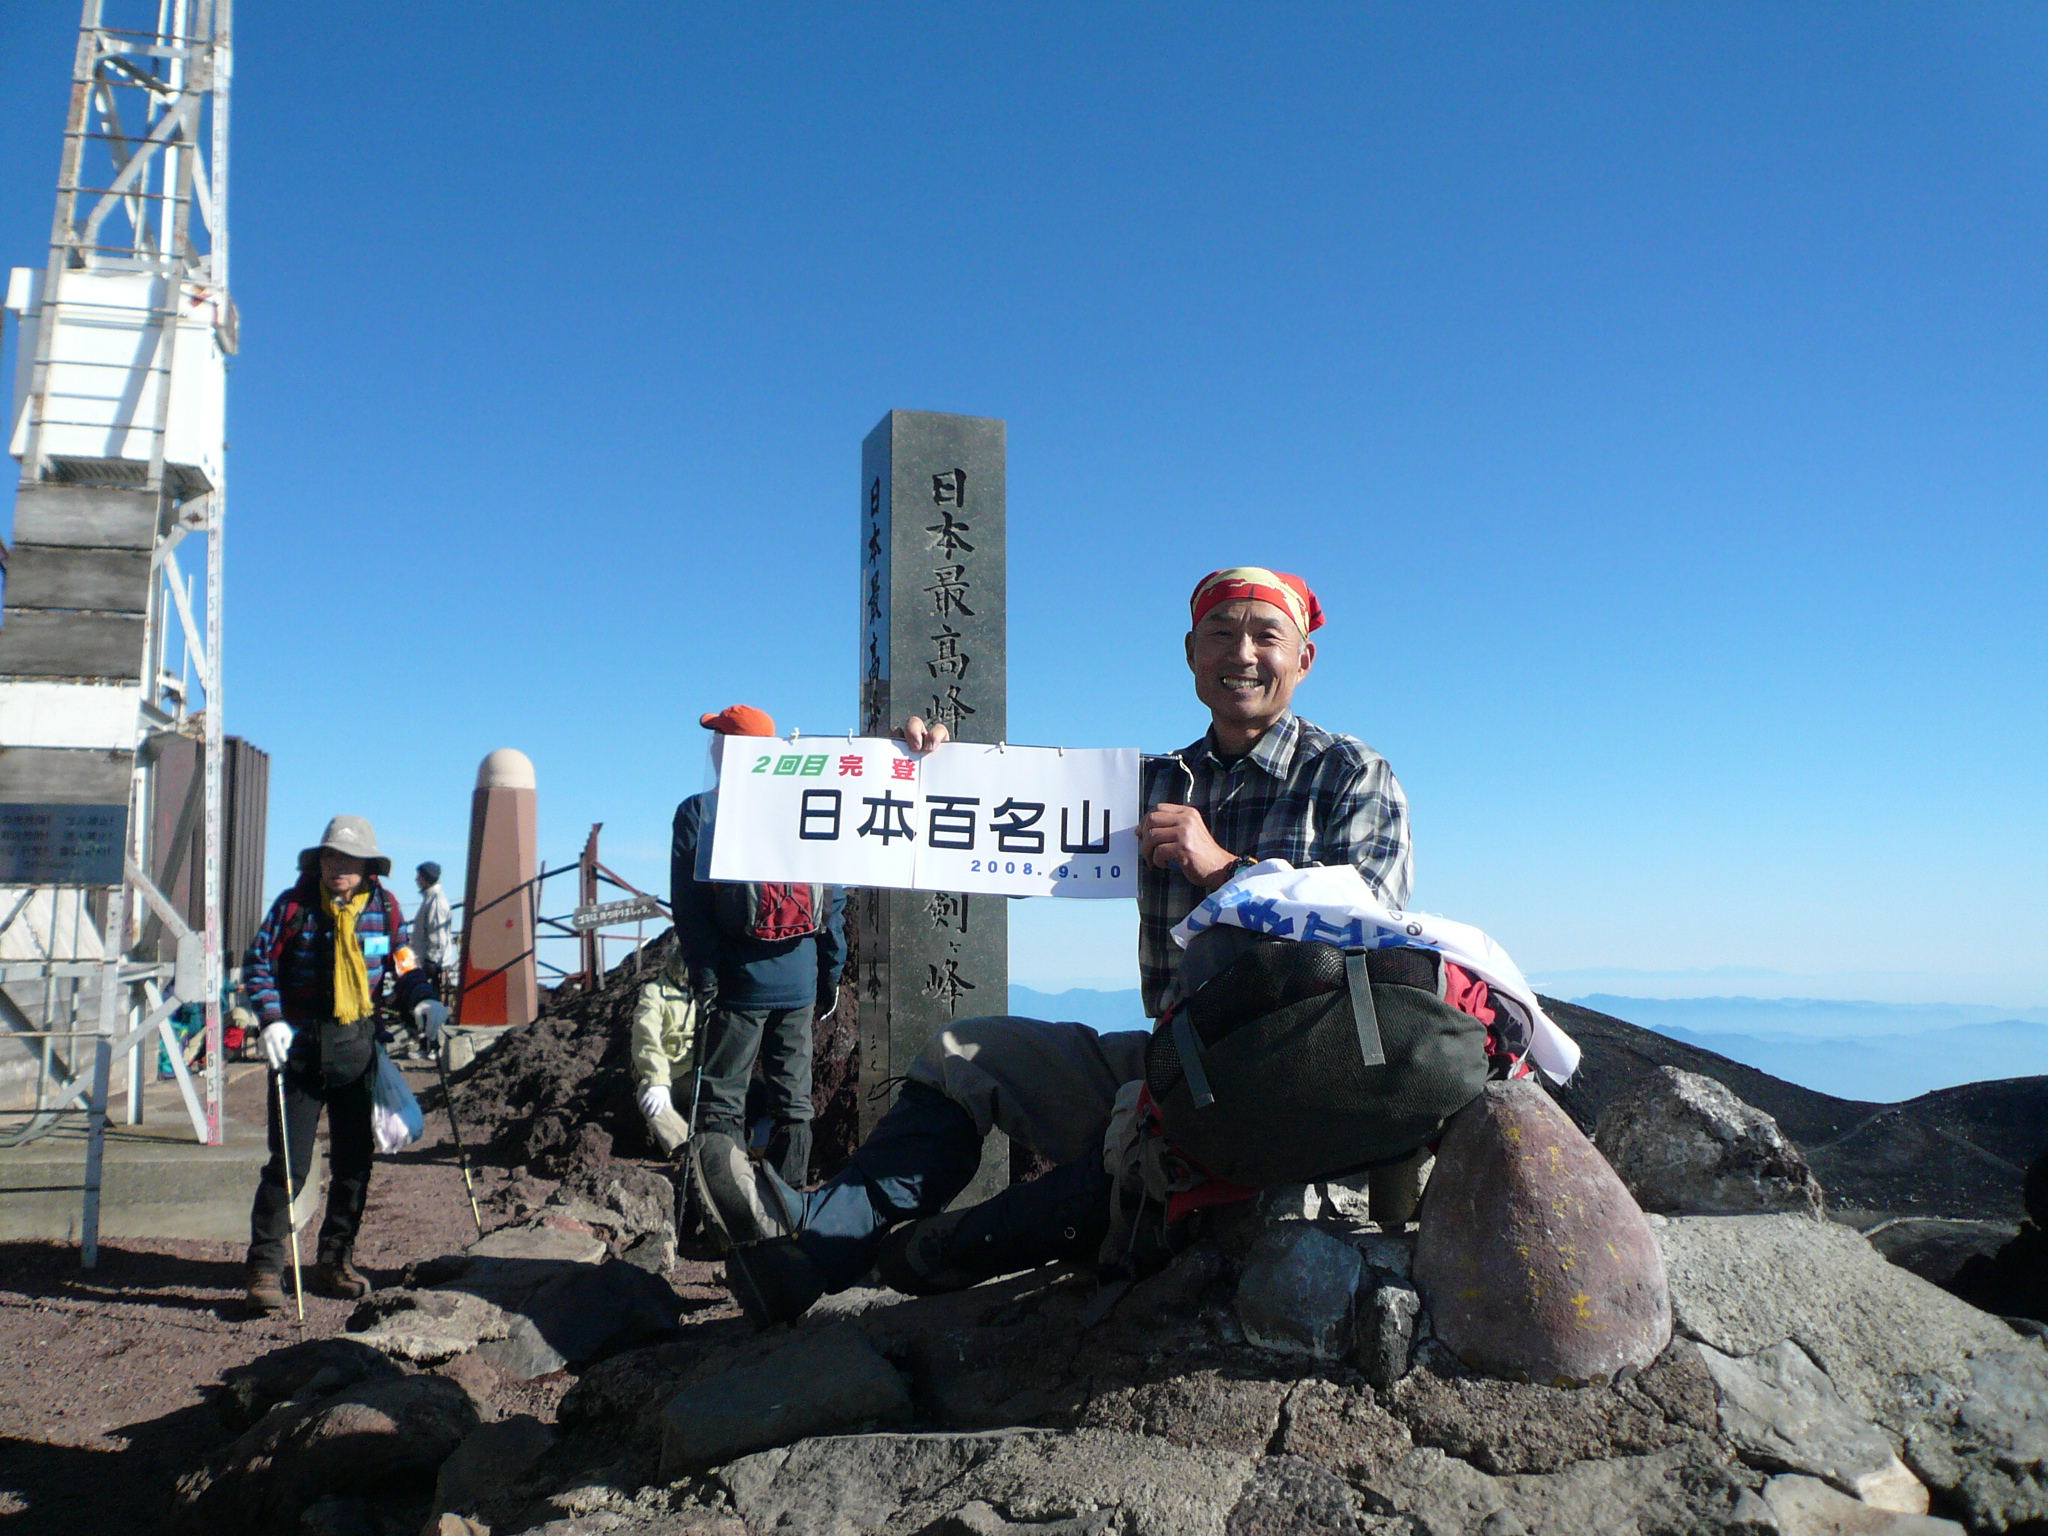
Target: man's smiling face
x: 1247, y: 658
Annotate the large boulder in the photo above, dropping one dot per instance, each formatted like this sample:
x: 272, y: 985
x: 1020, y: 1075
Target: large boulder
x: 632, y: 1205
x: 1535, y: 1262
x: 1684, y: 1144
x: 561, y: 1313
x: 818, y: 1383
x: 426, y: 1327
x: 384, y: 1439
x: 1744, y: 1283
x: 314, y: 1369
x: 491, y: 1457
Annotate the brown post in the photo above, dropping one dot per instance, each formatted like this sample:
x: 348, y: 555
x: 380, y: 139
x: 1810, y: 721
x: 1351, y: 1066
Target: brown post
x: 586, y: 896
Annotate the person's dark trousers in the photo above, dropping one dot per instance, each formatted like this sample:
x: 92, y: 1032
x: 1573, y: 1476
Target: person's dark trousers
x: 351, y: 1147
x: 781, y: 1039
x: 920, y: 1156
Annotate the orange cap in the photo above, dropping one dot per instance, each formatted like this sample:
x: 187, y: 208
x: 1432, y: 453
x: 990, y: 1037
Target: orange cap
x: 739, y: 720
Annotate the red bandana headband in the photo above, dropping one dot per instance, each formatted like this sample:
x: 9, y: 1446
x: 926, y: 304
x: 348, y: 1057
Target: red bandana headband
x: 1290, y: 594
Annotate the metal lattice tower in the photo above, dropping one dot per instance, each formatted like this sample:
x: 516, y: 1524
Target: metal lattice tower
x: 117, y: 420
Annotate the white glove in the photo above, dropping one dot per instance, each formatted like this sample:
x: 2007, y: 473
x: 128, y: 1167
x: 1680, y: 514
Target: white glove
x: 431, y: 1017
x: 654, y: 1101
x: 276, y: 1041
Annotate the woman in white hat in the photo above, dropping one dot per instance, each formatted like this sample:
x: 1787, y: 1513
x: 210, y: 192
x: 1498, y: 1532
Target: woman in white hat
x: 313, y: 976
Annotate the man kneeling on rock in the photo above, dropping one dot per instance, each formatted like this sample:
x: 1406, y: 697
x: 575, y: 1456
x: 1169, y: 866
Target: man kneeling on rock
x: 1261, y: 783
x: 313, y: 975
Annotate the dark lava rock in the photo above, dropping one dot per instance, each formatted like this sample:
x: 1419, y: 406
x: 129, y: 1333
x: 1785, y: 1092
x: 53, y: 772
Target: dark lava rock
x: 386, y: 1439
x: 1534, y: 1261
x: 1685, y: 1144
x: 317, y: 1368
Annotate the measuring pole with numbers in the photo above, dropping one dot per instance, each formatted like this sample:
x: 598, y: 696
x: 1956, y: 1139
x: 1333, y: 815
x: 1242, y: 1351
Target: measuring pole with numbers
x: 933, y: 643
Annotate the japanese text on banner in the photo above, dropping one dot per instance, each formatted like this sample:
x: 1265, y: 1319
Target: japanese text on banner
x: 1005, y: 821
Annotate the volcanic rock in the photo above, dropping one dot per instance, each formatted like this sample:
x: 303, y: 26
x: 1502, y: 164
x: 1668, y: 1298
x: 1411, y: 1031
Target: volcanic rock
x: 492, y: 1456
x: 426, y: 1327
x: 1937, y: 1250
x: 1532, y: 1257
x: 1290, y: 1497
x: 381, y: 1435
x: 1227, y: 1411
x: 1977, y: 1433
x: 316, y: 1368
x: 1805, y: 1506
x: 1294, y: 1293
x: 1159, y: 1489
x: 1781, y: 1411
x: 818, y: 1383
x: 539, y: 1242
x: 2013, y: 1282
x: 633, y: 1206
x: 1683, y: 1143
x: 1947, y: 1153
x: 1743, y: 1283
x: 1507, y: 1427
x: 558, y: 1094
x: 1386, y: 1332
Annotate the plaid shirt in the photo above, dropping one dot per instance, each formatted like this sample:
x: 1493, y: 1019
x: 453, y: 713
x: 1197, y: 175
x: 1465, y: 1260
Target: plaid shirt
x: 1301, y: 794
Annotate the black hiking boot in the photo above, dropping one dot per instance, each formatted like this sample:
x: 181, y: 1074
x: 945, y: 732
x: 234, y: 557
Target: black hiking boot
x: 1060, y: 1217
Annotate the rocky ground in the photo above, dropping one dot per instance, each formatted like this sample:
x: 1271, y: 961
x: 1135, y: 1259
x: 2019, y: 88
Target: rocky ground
x: 111, y: 1373
x: 574, y: 1373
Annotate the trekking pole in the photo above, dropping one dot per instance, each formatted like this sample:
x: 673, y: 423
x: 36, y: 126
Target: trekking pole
x: 291, y: 1215
x: 455, y: 1130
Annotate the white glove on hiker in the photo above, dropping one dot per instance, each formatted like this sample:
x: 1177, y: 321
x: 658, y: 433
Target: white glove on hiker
x: 432, y: 1018
x: 654, y: 1101
x: 276, y: 1041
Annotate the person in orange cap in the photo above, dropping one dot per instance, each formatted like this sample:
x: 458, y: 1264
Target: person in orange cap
x: 1260, y: 783
x: 762, y: 961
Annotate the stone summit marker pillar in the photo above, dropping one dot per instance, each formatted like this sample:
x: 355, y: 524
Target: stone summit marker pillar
x: 933, y: 643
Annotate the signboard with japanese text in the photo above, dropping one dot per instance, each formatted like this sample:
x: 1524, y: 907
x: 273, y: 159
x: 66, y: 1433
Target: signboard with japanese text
x: 637, y: 909
x: 984, y: 820
x: 62, y: 844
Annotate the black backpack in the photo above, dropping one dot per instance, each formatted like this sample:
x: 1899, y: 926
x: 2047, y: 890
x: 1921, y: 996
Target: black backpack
x: 1291, y: 1062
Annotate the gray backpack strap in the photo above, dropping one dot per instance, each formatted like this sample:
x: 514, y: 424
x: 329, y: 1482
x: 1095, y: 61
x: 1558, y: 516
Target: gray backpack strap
x: 1371, y: 1048
x: 1188, y: 1046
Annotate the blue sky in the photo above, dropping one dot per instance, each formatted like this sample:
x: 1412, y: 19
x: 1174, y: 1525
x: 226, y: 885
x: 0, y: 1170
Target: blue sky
x: 1655, y: 396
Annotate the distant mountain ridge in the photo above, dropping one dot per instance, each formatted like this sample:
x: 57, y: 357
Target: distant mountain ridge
x: 1766, y: 1016
x: 1958, y: 1152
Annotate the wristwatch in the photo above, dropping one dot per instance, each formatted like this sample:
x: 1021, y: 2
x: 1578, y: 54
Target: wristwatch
x: 1238, y: 866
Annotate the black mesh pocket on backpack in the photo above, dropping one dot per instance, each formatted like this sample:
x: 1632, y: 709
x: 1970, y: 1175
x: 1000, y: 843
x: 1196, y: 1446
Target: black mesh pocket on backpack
x: 1261, y: 976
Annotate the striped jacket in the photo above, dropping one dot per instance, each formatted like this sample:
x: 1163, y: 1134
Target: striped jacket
x: 289, y: 970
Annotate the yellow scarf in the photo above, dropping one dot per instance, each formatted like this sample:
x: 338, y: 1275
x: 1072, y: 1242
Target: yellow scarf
x: 352, y: 998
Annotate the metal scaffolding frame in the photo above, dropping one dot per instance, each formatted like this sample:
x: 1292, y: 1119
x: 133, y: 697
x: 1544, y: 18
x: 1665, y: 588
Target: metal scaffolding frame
x: 138, y: 249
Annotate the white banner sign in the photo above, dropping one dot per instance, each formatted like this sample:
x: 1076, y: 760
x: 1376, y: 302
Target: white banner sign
x: 998, y: 821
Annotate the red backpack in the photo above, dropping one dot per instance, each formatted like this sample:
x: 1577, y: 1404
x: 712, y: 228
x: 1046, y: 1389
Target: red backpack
x: 770, y: 912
